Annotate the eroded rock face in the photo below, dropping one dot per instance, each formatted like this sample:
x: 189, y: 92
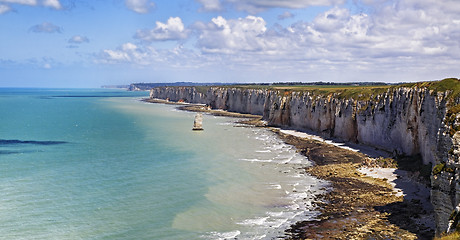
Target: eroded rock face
x: 445, y: 193
x: 186, y: 94
x: 405, y: 121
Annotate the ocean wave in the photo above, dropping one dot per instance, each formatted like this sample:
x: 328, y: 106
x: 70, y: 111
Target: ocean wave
x: 275, y: 186
x: 263, y: 151
x: 223, y: 235
x: 254, y: 160
x: 256, y: 221
x: 295, y: 189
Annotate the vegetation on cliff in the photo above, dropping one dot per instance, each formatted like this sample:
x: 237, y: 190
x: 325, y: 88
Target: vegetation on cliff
x: 448, y: 84
x: 452, y: 86
x: 355, y: 91
x: 452, y: 236
x: 440, y: 167
x: 362, y: 92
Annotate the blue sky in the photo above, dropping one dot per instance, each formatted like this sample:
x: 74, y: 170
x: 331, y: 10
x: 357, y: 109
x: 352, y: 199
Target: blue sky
x: 70, y: 43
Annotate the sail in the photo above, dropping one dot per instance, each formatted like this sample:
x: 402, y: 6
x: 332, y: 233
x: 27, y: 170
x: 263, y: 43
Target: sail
x: 198, y: 123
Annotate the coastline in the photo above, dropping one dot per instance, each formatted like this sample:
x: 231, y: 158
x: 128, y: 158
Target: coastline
x: 358, y: 206
x: 250, y: 119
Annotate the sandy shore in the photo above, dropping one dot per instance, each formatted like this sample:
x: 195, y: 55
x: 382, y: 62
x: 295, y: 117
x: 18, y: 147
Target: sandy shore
x: 365, y: 202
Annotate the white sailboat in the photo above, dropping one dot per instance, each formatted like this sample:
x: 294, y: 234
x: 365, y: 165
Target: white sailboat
x: 198, y: 123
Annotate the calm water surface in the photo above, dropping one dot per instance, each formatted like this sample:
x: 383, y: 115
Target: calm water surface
x: 100, y: 164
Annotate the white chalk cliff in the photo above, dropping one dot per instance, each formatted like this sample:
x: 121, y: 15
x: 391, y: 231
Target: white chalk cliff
x: 405, y: 121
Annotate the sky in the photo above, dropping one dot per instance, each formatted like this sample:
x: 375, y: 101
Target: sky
x: 89, y: 43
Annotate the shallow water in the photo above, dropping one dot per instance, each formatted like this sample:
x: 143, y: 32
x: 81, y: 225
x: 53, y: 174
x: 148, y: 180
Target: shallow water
x: 100, y: 164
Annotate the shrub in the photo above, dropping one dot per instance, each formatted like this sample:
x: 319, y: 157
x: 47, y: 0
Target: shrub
x: 439, y: 168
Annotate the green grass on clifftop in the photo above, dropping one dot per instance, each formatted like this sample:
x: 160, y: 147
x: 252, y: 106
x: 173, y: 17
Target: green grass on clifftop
x: 361, y: 92
x: 448, y: 84
x: 339, y: 91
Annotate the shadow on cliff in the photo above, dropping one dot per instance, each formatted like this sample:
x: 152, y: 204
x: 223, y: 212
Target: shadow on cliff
x: 415, y: 213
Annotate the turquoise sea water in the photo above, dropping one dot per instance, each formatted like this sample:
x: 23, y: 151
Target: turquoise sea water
x: 100, y: 164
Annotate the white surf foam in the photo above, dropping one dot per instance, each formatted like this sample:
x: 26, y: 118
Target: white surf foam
x: 223, y: 236
x: 254, y: 160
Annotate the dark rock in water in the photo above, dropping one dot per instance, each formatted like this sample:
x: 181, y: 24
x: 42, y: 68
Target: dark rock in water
x: 18, y: 142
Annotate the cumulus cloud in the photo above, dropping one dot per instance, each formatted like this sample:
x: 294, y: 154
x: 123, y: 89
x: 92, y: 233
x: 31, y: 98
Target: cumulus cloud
x: 46, y: 27
x: 173, y: 29
x: 405, y: 30
x: 332, y: 20
x: 139, y: 6
x: 127, y: 53
x: 408, y: 38
x: 144, y: 55
x: 78, y: 39
x: 242, y: 34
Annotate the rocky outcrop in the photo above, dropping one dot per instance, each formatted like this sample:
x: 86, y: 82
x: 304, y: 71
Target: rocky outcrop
x: 405, y: 121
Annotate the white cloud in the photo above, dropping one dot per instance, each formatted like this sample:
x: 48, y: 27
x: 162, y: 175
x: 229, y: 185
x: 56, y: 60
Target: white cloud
x: 228, y: 36
x: 390, y: 42
x: 142, y: 55
x: 173, y: 29
x: 255, y: 6
x: 4, y: 8
x: 22, y: 2
x: 140, y: 6
x: 210, y: 5
x: 77, y: 39
x: 46, y: 27
x: 285, y: 15
x: 126, y: 53
x: 5, y: 5
x: 52, y: 3
x: 332, y: 20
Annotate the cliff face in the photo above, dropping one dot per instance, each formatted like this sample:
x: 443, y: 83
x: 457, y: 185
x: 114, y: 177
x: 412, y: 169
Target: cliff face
x: 405, y: 121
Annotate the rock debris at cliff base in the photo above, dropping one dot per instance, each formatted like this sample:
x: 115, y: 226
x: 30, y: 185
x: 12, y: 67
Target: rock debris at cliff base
x: 357, y: 207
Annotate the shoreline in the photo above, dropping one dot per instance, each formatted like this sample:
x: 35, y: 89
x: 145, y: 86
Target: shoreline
x: 362, y: 203
x: 360, y: 206
x: 249, y: 119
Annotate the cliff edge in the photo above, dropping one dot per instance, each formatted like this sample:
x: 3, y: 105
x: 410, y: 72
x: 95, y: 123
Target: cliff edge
x: 418, y: 119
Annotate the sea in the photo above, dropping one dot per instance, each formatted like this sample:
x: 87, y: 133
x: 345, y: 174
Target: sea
x: 102, y: 164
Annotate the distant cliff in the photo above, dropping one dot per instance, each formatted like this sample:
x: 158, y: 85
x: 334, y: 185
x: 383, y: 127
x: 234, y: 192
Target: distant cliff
x: 410, y: 120
x: 148, y: 86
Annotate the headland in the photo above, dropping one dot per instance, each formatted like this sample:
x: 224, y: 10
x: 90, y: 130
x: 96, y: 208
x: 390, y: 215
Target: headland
x: 417, y: 124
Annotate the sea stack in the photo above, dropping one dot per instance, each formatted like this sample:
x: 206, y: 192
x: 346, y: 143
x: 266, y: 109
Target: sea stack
x: 198, y: 123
